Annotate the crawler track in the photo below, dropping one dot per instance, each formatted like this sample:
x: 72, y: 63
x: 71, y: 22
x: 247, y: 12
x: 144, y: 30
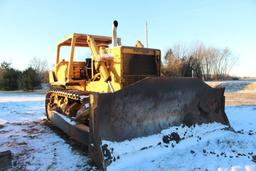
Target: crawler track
x: 70, y: 111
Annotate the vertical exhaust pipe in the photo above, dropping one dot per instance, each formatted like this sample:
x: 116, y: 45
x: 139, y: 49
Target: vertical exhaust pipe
x: 114, y: 34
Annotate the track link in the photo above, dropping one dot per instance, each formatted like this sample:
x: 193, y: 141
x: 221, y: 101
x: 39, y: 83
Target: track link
x: 71, y: 94
x: 72, y: 104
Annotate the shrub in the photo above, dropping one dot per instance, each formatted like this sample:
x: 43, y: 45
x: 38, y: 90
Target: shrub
x: 29, y: 80
x: 8, y: 77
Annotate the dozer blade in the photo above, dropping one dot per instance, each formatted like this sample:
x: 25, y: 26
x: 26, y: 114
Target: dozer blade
x: 153, y: 104
x: 149, y: 106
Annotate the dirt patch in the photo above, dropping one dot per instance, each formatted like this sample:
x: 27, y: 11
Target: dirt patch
x: 251, y: 87
x: 21, y: 123
x: 174, y: 136
x: 1, y: 126
x: 237, y: 93
x: 240, y: 98
x: 254, y: 158
x: 5, y: 159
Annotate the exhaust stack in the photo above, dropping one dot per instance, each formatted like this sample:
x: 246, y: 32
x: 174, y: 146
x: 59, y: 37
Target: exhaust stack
x: 114, y: 34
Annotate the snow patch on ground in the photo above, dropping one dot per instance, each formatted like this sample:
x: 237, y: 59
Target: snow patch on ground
x: 242, y: 117
x: 19, y: 96
x: 2, y: 122
x: 137, y: 144
x: 33, y: 144
x: 202, y: 147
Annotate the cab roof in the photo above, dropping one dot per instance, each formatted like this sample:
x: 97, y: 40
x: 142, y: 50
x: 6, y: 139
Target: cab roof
x: 81, y: 40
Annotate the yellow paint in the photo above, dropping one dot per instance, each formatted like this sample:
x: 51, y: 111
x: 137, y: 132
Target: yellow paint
x: 107, y: 60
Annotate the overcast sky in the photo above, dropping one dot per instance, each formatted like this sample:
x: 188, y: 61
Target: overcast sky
x: 31, y: 28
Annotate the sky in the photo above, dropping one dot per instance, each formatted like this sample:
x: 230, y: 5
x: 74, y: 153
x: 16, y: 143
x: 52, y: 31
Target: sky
x: 31, y: 28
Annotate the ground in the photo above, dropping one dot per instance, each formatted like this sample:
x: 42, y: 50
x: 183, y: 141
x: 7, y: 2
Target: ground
x: 238, y: 92
x: 204, y: 147
x: 35, y: 145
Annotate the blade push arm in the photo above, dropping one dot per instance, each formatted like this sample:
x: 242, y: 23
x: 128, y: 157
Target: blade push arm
x: 99, y: 63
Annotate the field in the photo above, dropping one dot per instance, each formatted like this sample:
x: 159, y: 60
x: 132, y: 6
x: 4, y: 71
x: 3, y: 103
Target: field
x: 238, y: 92
x: 36, y: 145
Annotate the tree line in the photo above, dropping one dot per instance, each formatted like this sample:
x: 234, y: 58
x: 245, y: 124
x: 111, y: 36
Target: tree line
x: 207, y: 63
x: 27, y: 80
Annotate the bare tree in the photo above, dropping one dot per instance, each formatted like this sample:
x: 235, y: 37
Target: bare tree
x: 39, y: 64
x: 208, y: 62
x: 172, y: 66
x: 180, y: 51
x: 41, y: 67
x: 198, y: 52
x: 224, y: 62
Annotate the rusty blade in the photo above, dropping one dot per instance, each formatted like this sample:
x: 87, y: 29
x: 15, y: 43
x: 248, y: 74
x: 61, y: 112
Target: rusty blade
x: 153, y: 104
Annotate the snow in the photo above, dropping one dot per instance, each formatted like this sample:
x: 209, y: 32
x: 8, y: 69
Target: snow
x: 2, y: 122
x: 18, y: 96
x: 71, y: 122
x: 203, y: 147
x: 214, y: 146
x: 33, y: 144
x: 242, y: 117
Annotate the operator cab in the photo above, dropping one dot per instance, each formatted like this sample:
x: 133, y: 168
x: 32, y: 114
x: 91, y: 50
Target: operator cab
x: 72, y: 71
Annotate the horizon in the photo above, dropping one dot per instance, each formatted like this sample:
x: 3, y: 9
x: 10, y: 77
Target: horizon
x: 32, y: 29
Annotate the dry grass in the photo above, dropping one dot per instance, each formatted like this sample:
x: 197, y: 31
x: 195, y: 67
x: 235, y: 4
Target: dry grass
x: 244, y: 96
x: 240, y: 98
x: 251, y: 87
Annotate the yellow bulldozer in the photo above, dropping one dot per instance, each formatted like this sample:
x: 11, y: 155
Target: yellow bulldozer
x: 118, y: 94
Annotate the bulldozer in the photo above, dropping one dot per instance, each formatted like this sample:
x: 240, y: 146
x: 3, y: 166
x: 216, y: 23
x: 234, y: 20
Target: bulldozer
x: 118, y: 93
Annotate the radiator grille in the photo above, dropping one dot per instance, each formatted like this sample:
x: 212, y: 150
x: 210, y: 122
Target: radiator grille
x: 136, y: 67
